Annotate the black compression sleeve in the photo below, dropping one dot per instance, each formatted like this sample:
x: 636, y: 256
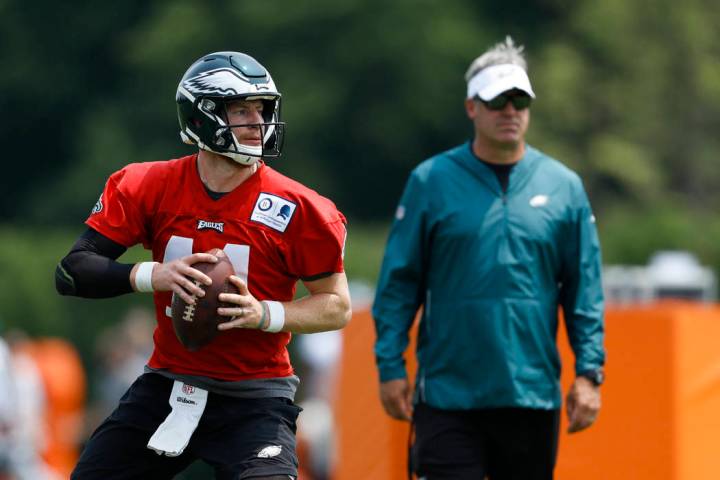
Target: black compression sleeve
x: 90, y: 270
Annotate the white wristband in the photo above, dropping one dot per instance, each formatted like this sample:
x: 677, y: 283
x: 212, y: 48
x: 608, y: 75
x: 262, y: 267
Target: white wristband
x: 143, y: 276
x: 276, y: 312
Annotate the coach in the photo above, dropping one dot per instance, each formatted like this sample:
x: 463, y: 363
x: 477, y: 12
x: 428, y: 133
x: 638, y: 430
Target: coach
x: 491, y: 238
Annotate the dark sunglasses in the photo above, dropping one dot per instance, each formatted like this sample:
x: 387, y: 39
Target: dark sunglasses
x: 519, y: 102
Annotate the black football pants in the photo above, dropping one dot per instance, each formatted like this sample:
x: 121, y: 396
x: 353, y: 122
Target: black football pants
x: 231, y: 433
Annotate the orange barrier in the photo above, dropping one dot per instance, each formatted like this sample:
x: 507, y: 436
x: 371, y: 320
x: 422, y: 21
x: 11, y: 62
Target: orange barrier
x: 371, y: 445
x: 660, y: 418
x: 661, y: 403
x: 64, y: 380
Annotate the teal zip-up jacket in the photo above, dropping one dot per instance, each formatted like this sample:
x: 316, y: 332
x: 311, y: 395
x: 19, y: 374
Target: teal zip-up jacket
x: 491, y: 270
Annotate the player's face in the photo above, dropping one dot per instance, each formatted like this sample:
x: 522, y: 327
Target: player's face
x: 505, y: 127
x: 246, y: 112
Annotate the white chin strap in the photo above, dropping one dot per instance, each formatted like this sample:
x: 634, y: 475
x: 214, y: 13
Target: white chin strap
x: 240, y: 158
x: 245, y: 155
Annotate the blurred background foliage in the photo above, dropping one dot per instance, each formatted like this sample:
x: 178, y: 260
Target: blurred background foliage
x: 628, y: 95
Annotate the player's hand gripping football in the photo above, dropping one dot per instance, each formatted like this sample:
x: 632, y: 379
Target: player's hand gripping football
x: 247, y: 311
x: 173, y: 276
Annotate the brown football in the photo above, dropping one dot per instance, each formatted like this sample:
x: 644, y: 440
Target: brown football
x: 196, y: 325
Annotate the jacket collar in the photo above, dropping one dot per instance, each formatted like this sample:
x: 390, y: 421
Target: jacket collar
x: 519, y: 175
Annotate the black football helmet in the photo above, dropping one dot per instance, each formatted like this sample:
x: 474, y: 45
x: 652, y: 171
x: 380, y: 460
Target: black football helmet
x: 203, y: 93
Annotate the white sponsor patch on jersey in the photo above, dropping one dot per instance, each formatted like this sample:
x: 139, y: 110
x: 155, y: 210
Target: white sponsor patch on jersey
x: 270, y: 451
x: 273, y: 211
x: 539, y: 200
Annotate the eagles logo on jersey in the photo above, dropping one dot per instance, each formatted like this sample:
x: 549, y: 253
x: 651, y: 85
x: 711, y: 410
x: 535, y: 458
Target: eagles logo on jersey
x: 205, y: 89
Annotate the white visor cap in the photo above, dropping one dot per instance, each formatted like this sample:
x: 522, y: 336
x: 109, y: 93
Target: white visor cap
x: 490, y: 82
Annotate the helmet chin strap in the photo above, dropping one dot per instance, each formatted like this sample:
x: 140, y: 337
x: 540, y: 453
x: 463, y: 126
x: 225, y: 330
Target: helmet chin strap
x: 248, y: 159
x: 246, y: 154
x: 240, y: 158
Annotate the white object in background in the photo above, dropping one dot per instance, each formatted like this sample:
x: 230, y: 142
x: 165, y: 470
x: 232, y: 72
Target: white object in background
x: 678, y: 274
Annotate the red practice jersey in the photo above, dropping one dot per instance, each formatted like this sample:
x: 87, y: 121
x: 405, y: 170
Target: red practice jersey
x: 274, y: 230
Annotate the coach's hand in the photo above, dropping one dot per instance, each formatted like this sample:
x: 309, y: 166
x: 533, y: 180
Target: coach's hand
x: 583, y: 404
x: 396, y: 398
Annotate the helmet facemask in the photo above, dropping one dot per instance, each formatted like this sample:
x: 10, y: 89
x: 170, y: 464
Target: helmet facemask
x: 224, y: 142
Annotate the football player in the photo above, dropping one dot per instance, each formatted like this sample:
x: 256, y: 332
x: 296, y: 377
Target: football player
x: 229, y: 403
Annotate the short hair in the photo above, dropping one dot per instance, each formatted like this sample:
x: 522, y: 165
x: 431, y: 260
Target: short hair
x: 499, y: 54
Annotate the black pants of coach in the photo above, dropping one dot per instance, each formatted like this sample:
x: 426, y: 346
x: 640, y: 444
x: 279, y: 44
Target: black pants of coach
x: 496, y: 443
x: 229, y: 436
